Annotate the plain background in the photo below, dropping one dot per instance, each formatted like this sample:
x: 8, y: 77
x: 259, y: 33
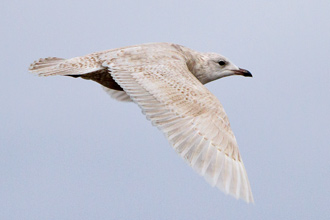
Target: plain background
x: 68, y: 151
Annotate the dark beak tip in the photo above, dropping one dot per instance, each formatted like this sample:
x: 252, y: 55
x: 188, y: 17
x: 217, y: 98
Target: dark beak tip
x: 245, y: 72
x: 248, y: 74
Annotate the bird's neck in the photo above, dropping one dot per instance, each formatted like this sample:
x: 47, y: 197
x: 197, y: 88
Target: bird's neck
x: 196, y: 63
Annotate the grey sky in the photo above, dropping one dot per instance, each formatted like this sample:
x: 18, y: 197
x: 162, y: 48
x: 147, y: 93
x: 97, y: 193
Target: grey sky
x: 68, y: 151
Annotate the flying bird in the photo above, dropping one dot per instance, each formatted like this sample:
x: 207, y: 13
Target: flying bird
x: 166, y: 81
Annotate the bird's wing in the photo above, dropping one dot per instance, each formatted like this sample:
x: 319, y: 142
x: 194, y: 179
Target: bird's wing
x: 190, y: 116
x: 118, y: 95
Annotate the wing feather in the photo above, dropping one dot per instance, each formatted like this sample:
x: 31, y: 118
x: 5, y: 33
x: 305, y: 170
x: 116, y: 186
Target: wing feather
x: 192, y: 119
x: 117, y: 95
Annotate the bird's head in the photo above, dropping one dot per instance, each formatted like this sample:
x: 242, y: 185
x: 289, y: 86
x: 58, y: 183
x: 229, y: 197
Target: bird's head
x: 218, y: 66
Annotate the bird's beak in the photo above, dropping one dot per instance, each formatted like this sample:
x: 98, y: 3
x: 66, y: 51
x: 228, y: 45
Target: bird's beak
x: 242, y: 72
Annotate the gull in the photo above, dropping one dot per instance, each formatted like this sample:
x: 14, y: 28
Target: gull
x: 166, y: 81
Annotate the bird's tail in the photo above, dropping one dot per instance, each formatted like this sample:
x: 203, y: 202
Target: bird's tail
x: 86, y: 67
x: 65, y: 67
x: 47, y: 66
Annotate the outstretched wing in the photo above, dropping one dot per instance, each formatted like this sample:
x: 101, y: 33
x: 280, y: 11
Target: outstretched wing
x: 191, y: 117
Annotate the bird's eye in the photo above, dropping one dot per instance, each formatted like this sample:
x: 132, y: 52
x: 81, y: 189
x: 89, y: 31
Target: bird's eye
x: 222, y: 63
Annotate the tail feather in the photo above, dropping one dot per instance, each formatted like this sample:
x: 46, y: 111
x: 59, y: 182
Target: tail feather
x: 88, y: 67
x: 46, y: 66
x: 58, y: 66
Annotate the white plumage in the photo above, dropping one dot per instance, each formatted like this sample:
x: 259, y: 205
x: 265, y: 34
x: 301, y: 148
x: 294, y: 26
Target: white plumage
x: 166, y: 81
